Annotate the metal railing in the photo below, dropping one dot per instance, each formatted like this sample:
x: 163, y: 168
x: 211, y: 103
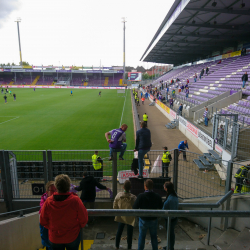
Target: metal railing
x: 163, y: 213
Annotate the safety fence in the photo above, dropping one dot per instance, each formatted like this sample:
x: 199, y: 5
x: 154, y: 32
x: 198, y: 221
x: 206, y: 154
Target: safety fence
x: 25, y: 173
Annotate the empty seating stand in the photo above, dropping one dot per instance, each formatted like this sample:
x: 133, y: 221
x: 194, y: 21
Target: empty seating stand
x: 207, y: 160
x: 172, y: 124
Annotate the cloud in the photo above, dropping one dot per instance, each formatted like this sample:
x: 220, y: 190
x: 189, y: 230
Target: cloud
x: 6, y: 7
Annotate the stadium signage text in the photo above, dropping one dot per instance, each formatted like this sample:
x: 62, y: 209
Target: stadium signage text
x: 126, y: 174
x: 207, y: 140
x: 164, y: 107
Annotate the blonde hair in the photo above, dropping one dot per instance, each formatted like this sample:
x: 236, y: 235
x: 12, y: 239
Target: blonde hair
x: 62, y: 183
x: 49, y: 184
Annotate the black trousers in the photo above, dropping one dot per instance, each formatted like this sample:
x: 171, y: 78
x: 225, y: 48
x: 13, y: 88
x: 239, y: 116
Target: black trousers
x: 119, y: 234
x: 98, y: 174
x: 165, y: 168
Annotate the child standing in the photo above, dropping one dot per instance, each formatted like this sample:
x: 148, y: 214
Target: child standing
x: 50, y: 190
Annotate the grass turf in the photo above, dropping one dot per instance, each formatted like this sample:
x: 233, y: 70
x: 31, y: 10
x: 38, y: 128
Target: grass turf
x: 52, y: 119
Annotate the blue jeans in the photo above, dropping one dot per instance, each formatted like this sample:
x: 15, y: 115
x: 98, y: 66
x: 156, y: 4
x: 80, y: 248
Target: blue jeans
x: 172, y: 234
x: 206, y: 121
x: 141, y: 154
x: 121, y: 150
x: 194, y: 79
x: 69, y: 246
x: 243, y: 84
x: 187, y: 95
x: 144, y: 225
x: 119, y: 234
x: 45, y: 237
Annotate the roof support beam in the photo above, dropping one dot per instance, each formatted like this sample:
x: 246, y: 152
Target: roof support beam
x: 214, y: 37
x: 221, y: 11
x: 215, y: 26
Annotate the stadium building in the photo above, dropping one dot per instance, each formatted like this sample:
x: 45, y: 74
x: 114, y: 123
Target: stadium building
x: 209, y: 36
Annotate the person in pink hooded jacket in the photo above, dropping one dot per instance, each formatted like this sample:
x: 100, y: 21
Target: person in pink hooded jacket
x: 50, y: 190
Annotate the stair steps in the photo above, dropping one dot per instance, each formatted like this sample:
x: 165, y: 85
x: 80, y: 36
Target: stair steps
x: 106, y: 82
x: 226, y: 239
x: 215, y: 233
x: 179, y: 245
x: 242, y: 241
x: 35, y: 80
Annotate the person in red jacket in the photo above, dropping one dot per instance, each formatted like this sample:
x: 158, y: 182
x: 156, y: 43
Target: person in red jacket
x: 64, y: 214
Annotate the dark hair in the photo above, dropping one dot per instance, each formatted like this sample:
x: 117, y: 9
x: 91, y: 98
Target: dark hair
x: 143, y: 124
x: 127, y: 185
x: 149, y: 184
x: 170, y: 188
x: 62, y: 183
x: 85, y: 173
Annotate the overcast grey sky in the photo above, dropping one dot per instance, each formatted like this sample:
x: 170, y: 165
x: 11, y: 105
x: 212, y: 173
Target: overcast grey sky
x: 79, y: 32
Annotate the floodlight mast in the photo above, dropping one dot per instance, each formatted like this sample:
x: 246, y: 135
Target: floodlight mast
x: 20, y: 52
x: 124, y: 21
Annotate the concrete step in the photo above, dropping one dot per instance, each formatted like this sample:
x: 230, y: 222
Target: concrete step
x: 215, y: 233
x: 242, y: 241
x: 179, y: 245
x: 226, y: 239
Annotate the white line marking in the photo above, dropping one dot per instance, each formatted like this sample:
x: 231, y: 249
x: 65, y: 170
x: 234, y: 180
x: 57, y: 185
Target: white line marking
x: 123, y: 108
x: 10, y: 120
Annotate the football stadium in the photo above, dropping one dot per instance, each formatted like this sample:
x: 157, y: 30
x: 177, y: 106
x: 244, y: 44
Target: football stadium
x: 164, y: 151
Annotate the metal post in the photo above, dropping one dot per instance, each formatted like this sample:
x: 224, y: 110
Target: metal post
x: 168, y: 233
x: 175, y: 174
x: 228, y: 188
x: 114, y: 174
x: 225, y: 134
x: 20, y: 52
x: 6, y: 179
x: 50, y: 166
x: 124, y: 21
x: 45, y: 169
x: 209, y: 229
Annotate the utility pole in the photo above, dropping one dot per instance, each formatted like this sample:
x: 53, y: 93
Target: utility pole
x: 124, y: 21
x: 20, y: 52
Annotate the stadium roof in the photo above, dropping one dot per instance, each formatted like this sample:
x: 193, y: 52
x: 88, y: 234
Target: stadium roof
x: 194, y: 29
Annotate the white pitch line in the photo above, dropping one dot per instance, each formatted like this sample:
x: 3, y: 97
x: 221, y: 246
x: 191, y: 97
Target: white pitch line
x: 123, y: 108
x: 9, y: 120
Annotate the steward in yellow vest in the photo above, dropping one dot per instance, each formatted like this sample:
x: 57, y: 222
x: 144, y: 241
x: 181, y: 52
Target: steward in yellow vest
x: 240, y: 177
x: 166, y: 158
x: 145, y: 118
x: 97, y: 165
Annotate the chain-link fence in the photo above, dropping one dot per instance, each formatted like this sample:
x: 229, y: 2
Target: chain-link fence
x: 243, y: 146
x: 27, y: 169
x: 25, y: 173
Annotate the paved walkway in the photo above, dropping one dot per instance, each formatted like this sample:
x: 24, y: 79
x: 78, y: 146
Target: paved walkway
x: 161, y: 136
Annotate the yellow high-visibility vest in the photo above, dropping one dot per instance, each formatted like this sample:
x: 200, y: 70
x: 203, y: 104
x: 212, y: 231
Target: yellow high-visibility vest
x: 239, y: 172
x: 96, y: 164
x: 165, y: 158
x: 145, y: 117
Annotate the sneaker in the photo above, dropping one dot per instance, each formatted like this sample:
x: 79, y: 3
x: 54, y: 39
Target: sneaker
x: 110, y: 159
x: 140, y: 177
x: 121, y: 159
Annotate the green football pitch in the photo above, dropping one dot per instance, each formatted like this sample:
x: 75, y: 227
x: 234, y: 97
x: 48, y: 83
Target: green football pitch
x: 52, y: 119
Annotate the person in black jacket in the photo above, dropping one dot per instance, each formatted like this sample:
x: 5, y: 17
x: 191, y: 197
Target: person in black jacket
x: 148, y: 200
x: 244, y: 79
x: 87, y: 186
x: 143, y: 145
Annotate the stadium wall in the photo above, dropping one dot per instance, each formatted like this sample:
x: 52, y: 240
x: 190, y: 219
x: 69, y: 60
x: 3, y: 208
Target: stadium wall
x: 200, y: 139
x: 57, y: 87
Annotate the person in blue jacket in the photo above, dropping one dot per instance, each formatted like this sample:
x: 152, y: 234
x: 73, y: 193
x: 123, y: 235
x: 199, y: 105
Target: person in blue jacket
x: 182, y: 149
x: 171, y: 203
